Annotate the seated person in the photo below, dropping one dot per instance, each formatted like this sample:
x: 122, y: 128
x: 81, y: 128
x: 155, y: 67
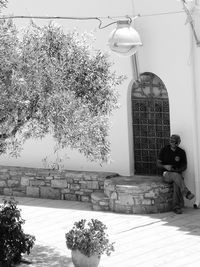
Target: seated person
x: 172, y: 160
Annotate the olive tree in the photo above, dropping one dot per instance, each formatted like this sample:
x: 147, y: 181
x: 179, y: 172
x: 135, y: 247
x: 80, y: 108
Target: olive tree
x: 55, y: 83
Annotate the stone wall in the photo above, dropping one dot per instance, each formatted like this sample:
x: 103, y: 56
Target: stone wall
x: 47, y: 183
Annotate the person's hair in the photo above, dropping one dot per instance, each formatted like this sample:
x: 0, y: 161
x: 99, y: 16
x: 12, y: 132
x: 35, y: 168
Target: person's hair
x: 175, y: 137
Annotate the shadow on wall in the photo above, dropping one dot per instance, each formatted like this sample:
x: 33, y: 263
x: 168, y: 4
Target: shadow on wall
x: 45, y: 256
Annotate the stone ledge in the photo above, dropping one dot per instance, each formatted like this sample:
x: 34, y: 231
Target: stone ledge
x: 135, y: 194
x: 48, y: 183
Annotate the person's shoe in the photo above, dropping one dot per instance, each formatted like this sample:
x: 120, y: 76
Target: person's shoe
x: 178, y: 211
x: 189, y: 195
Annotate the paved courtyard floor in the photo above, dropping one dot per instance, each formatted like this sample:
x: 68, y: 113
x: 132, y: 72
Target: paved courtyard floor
x: 162, y: 240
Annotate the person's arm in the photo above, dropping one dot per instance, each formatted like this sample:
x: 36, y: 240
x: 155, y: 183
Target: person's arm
x: 180, y: 169
x: 160, y: 164
x: 164, y: 166
x: 183, y: 165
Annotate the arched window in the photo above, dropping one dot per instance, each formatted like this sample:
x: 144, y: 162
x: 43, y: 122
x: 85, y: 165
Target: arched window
x: 151, y: 122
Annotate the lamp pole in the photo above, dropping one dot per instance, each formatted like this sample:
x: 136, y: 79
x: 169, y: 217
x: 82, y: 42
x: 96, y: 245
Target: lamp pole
x: 134, y: 58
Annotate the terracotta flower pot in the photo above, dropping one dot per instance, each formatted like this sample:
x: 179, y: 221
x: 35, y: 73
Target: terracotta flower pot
x: 80, y: 260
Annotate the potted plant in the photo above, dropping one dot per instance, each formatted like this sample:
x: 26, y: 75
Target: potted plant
x: 13, y: 241
x: 88, y: 242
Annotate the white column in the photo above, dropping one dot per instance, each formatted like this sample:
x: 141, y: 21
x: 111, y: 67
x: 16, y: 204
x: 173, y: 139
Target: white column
x: 196, y: 101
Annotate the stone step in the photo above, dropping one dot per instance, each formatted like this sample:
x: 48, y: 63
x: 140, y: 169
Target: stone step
x: 138, y: 194
x: 100, y: 201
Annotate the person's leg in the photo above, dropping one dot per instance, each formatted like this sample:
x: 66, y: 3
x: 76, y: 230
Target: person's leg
x: 177, y: 178
x: 177, y: 200
x: 179, y: 190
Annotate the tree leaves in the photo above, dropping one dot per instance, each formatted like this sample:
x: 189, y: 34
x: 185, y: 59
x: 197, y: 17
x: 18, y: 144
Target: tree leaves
x: 52, y: 82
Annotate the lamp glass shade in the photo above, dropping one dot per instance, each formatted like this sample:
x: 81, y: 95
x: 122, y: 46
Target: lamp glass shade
x: 124, y: 40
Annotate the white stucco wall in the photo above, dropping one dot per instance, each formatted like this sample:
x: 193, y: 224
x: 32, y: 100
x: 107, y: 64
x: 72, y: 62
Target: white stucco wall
x: 166, y: 51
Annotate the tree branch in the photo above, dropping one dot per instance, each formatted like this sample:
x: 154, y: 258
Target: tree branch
x: 21, y: 122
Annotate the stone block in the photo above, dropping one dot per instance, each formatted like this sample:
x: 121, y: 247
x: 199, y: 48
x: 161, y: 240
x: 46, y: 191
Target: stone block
x: 137, y: 210
x: 100, y: 208
x: 150, y: 209
x: 19, y: 189
x: 83, y: 184
x: 25, y: 181
x: 138, y: 200
x: 164, y: 190
x: 128, y: 189
x: 13, y: 173
x: 87, y: 191
x: 32, y: 191
x: 4, y: 176
x: 61, y: 183
x: 13, y: 183
x: 96, y: 207
x: 18, y: 194
x: 146, y: 202
x: 30, y: 173
x: 41, y: 178
x: 37, y: 183
x: 126, y: 199
x: 7, y: 191
x: 160, y: 199
x: 3, y: 170
x: 123, y: 208
x: 75, y: 187
x: 69, y: 180
x: 3, y: 184
x: 79, y: 193
x: 85, y: 198
x: 108, y: 186
x: 87, y: 176
x: 150, y: 194
x: 71, y: 197
x: 98, y: 196
x: 49, y: 178
x: 104, y: 202
x: 57, y: 177
x: 65, y: 191
x: 73, y: 174
x: 48, y: 192
x: 43, y: 172
x: 92, y: 185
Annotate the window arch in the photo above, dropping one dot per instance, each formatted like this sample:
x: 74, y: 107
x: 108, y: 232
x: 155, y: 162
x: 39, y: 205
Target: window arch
x: 151, y: 122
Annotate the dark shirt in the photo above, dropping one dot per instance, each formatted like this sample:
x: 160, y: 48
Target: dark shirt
x: 175, y: 158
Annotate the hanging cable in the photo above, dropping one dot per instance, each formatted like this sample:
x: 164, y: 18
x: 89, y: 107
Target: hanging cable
x: 71, y: 18
x: 187, y: 11
x: 87, y: 18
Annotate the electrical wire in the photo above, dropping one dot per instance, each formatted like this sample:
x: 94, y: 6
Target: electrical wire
x: 70, y: 18
x: 160, y: 14
x: 130, y: 17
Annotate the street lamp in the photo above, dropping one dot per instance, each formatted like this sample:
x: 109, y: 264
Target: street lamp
x: 124, y: 40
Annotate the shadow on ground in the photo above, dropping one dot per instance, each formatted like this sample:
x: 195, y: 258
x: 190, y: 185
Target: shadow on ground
x: 45, y: 256
x: 188, y: 222
x: 49, y: 203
